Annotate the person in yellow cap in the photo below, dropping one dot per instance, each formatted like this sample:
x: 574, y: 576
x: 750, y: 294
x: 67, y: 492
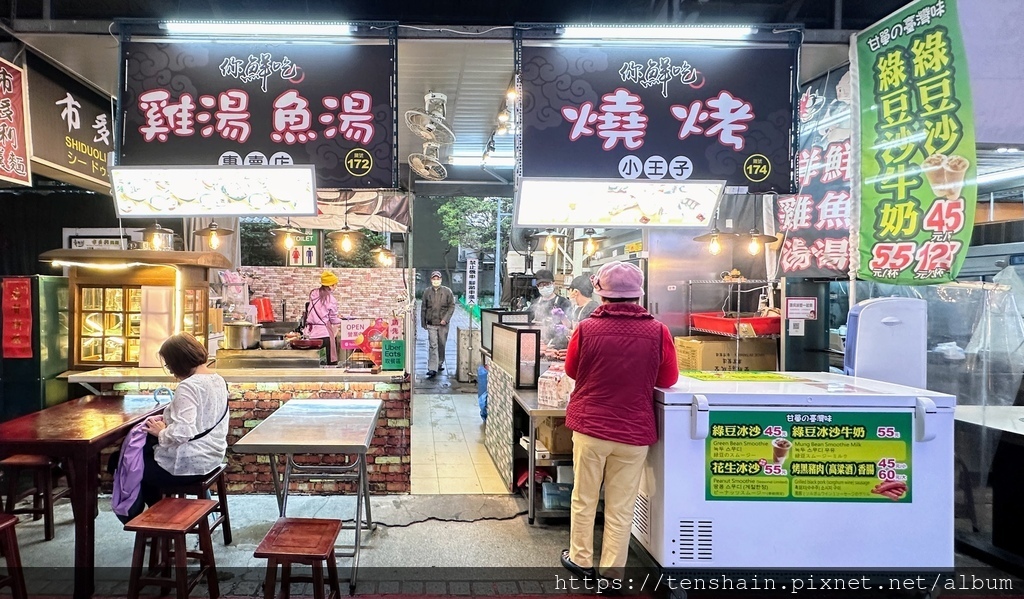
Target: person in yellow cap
x: 322, y: 317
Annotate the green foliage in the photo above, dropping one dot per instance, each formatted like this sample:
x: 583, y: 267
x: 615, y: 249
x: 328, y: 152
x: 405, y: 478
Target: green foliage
x: 360, y: 257
x: 470, y: 222
x: 258, y: 247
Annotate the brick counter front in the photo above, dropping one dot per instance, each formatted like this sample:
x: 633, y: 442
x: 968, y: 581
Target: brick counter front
x: 388, y: 460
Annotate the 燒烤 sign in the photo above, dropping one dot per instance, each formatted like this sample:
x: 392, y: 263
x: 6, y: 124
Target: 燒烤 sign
x: 660, y: 113
x: 918, y: 189
x: 262, y: 104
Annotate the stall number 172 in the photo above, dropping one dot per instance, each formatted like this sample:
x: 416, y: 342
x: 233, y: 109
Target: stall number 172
x: 888, y: 432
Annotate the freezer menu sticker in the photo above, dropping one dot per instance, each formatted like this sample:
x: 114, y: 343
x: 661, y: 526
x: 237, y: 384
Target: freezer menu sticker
x: 809, y: 456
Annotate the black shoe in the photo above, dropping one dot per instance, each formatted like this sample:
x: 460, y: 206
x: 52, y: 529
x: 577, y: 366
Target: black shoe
x: 431, y: 374
x: 576, y: 569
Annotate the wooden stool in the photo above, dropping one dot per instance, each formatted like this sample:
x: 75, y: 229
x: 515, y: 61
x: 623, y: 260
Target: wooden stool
x: 304, y: 541
x: 200, y: 490
x: 42, y: 493
x: 169, y: 521
x: 9, y: 549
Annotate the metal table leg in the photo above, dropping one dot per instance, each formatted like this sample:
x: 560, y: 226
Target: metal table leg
x: 285, y: 482
x: 277, y: 484
x: 532, y: 461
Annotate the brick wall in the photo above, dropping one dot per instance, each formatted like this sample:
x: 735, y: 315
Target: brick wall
x: 388, y: 460
x: 361, y: 292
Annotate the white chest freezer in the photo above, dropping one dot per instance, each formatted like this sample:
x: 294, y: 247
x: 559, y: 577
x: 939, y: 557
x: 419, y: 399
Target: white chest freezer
x: 798, y: 471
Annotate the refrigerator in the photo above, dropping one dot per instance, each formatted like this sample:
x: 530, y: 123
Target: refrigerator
x: 34, y: 334
x: 777, y: 471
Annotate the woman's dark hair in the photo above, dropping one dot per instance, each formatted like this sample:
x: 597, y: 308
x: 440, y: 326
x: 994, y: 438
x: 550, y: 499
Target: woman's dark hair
x: 620, y: 300
x: 182, y: 354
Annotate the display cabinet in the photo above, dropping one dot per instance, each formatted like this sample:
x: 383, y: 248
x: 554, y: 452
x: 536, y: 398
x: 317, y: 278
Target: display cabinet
x: 517, y: 351
x: 121, y: 314
x: 490, y: 316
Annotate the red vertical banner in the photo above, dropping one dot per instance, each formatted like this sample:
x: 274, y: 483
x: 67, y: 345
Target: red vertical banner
x: 16, y: 309
x: 14, y: 150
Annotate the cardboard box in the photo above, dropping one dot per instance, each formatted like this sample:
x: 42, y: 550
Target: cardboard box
x: 707, y: 352
x: 553, y: 433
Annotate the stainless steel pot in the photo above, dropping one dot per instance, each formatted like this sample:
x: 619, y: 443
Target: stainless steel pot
x: 241, y: 335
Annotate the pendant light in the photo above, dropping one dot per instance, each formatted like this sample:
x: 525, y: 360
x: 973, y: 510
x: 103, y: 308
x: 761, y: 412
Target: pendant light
x: 159, y: 238
x: 756, y: 240
x: 289, y: 233
x: 213, y: 233
x: 590, y: 239
x: 714, y: 239
x: 345, y: 238
x: 551, y: 238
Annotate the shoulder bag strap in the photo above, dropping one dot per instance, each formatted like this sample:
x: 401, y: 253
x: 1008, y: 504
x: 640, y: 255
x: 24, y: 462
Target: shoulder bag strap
x: 219, y: 420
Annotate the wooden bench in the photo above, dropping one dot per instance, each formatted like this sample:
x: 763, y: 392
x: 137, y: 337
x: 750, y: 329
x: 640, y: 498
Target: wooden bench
x: 169, y: 521
x: 201, y: 489
x: 41, y: 492
x: 9, y: 550
x: 303, y: 541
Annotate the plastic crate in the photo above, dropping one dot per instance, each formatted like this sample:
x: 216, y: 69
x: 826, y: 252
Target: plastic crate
x: 717, y: 322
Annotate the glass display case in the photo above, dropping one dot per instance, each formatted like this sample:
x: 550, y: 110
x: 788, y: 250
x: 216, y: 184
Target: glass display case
x: 517, y: 352
x: 489, y: 316
x: 110, y: 322
x: 111, y: 318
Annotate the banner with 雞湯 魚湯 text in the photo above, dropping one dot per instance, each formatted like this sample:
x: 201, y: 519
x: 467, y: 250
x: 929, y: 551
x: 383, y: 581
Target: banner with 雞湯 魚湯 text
x: 917, y: 185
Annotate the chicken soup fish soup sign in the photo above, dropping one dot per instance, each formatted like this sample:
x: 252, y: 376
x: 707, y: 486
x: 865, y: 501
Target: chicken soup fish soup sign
x: 918, y: 165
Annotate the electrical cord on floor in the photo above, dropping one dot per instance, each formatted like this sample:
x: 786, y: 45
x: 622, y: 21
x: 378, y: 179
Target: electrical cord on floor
x: 456, y: 520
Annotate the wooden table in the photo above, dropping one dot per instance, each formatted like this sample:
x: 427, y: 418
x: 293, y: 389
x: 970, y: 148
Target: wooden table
x: 75, y: 432
x: 324, y: 427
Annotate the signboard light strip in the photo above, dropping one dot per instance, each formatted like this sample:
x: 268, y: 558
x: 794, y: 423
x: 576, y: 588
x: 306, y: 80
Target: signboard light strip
x: 258, y: 28
x: 666, y: 33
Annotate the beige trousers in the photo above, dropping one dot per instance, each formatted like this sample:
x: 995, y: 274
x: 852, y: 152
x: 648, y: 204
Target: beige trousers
x: 619, y: 467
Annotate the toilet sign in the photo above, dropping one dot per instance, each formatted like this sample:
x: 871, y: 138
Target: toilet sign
x: 306, y: 251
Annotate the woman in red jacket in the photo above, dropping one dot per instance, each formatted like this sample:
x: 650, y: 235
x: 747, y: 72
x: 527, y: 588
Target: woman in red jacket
x: 617, y: 357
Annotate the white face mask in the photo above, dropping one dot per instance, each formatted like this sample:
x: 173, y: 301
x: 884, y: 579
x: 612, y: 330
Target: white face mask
x: 546, y: 291
x: 435, y: 282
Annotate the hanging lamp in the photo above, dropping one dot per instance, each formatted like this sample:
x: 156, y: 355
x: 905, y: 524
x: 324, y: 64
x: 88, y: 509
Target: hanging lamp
x: 289, y: 233
x: 755, y: 240
x: 590, y: 239
x: 551, y: 238
x: 348, y: 237
x: 159, y: 238
x: 213, y: 233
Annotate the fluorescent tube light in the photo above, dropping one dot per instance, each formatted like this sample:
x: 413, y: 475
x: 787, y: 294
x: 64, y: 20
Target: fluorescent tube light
x: 662, y: 33
x: 492, y: 160
x: 998, y: 176
x: 258, y: 28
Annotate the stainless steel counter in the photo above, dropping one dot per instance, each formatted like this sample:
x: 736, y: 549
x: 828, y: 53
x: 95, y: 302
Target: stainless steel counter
x: 240, y: 375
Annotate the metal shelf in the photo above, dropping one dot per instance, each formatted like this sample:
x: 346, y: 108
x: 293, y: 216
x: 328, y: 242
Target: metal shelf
x: 744, y: 282
x: 731, y: 335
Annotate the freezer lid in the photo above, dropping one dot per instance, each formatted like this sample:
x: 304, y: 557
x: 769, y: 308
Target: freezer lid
x: 795, y: 389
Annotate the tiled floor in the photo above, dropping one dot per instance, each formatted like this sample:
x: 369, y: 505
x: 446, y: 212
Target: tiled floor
x: 448, y: 453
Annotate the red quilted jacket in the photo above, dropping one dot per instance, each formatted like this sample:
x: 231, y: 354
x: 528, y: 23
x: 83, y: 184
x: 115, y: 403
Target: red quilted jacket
x: 625, y: 354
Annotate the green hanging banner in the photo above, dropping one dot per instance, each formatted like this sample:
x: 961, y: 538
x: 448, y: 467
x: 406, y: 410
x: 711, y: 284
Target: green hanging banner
x: 918, y: 166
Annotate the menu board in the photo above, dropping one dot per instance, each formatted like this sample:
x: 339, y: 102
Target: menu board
x: 809, y: 456
x: 213, y: 191
x: 554, y: 202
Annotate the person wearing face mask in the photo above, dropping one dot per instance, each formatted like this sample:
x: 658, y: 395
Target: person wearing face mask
x: 438, y: 308
x: 581, y: 292
x: 542, y: 307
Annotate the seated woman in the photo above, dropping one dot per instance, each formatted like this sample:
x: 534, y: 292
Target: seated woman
x: 190, y: 439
